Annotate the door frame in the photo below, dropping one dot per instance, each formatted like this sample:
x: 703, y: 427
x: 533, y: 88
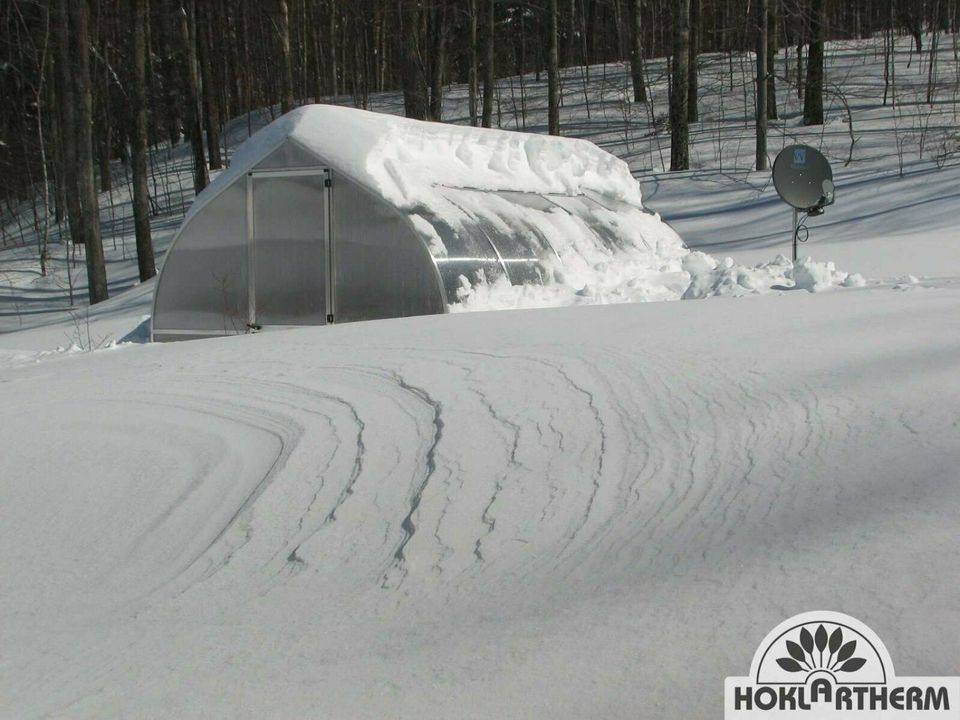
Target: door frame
x: 252, y: 176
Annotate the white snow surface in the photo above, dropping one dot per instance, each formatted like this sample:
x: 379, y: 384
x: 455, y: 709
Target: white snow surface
x: 555, y: 513
x: 406, y: 160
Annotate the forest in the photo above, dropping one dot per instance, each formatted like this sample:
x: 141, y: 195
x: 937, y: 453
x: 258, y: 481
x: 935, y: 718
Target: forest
x: 87, y: 83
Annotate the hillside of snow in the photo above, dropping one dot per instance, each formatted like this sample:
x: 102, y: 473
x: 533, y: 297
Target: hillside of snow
x: 588, y: 511
x: 583, y: 512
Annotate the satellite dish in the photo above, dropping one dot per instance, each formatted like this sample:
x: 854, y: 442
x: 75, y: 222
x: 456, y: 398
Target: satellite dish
x: 803, y: 178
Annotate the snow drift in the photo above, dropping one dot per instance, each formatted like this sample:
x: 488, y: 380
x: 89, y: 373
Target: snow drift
x: 482, y: 516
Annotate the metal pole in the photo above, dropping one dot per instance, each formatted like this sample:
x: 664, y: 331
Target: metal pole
x: 796, y: 230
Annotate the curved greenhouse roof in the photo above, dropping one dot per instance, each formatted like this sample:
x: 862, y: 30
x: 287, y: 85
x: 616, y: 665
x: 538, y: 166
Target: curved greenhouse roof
x: 331, y: 214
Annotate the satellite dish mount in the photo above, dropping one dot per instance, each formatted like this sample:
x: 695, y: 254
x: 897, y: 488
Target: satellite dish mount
x: 804, y: 180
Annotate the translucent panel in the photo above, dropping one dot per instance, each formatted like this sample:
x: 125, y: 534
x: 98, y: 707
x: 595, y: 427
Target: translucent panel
x: 382, y: 269
x: 466, y: 239
x: 511, y: 222
x: 597, y: 219
x: 509, y: 219
x: 469, y: 252
x: 288, y: 155
x: 522, y: 213
x: 290, y: 250
x: 472, y: 269
x: 203, y: 286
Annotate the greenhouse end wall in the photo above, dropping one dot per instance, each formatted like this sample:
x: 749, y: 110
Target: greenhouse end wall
x: 368, y: 261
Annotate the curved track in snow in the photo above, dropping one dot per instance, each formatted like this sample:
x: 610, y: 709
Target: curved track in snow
x: 476, y: 516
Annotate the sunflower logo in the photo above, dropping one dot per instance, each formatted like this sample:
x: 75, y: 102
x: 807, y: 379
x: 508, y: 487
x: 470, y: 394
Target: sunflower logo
x: 821, y: 651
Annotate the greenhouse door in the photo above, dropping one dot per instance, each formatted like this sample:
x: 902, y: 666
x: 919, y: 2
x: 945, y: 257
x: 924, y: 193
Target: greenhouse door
x: 288, y: 250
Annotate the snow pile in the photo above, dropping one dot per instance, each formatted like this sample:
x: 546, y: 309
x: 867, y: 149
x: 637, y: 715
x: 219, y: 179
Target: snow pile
x: 710, y: 277
x: 406, y: 160
x: 410, y: 159
x: 629, y: 278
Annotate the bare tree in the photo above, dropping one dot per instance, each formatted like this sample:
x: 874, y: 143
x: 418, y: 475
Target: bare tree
x: 762, y: 18
x: 474, y: 75
x: 211, y: 111
x: 138, y: 141
x: 286, y: 63
x: 813, y: 96
x: 90, y: 208
x: 188, y: 37
x: 679, y: 121
x: 636, y: 51
x: 489, y: 71
x: 438, y: 58
x: 693, y: 88
x: 414, y: 87
x: 773, y: 20
x: 553, y: 70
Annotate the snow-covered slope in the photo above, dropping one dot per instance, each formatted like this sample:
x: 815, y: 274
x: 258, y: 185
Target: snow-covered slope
x: 591, y: 511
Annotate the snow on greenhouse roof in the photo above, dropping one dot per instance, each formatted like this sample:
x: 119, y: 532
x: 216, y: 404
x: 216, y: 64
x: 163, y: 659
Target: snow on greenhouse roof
x: 405, y: 160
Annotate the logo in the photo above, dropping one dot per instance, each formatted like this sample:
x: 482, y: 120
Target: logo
x: 827, y: 666
x: 799, y: 157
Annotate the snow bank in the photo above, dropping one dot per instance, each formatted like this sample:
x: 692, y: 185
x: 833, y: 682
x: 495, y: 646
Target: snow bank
x: 710, y: 277
x: 629, y: 278
x: 476, y: 519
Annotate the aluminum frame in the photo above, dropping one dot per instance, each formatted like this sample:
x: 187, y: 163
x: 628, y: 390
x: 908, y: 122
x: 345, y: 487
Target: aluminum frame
x: 327, y: 239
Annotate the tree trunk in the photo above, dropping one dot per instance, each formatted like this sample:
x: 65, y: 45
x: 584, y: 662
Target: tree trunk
x: 762, y: 17
x: 332, y: 48
x: 693, y: 113
x: 138, y: 144
x: 813, y: 97
x: 489, y: 73
x: 438, y: 59
x: 286, y: 62
x: 211, y: 113
x: 679, y: 122
x: 104, y: 139
x: 188, y: 36
x: 553, y: 71
x: 101, y: 103
x: 68, y: 125
x: 169, y: 42
x: 636, y: 51
x: 96, y: 268
x: 414, y: 88
x: 474, y: 75
x: 773, y: 16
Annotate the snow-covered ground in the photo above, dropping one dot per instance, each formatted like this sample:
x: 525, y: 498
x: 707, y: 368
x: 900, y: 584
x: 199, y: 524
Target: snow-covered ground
x: 589, y: 511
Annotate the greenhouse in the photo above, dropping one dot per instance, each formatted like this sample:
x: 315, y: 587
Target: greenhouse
x: 331, y: 214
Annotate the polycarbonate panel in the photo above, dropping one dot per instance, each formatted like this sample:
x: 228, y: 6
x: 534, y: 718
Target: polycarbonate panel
x: 595, y: 218
x: 290, y: 250
x: 468, y: 252
x: 523, y: 214
x: 473, y: 269
x: 466, y: 240
x: 381, y: 268
x: 288, y: 155
x: 510, y: 221
x: 203, y: 286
